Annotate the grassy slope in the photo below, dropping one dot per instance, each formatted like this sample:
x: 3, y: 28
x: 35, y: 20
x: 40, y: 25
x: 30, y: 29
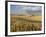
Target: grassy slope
x: 31, y: 18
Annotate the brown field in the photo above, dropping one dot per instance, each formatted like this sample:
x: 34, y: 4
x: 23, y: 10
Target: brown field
x: 25, y: 23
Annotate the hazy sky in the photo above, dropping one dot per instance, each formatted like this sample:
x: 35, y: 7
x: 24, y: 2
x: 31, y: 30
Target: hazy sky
x: 25, y: 10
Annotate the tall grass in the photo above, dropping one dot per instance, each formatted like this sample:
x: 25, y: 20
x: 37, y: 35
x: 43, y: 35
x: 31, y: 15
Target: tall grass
x: 21, y: 24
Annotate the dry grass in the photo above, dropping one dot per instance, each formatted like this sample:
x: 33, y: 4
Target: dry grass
x: 25, y: 23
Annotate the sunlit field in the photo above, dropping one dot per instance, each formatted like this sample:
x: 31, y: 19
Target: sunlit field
x: 25, y: 23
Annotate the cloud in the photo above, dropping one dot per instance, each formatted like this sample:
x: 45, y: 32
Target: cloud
x: 31, y: 8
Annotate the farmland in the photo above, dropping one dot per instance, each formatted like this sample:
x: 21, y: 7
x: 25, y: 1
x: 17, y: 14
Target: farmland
x: 25, y: 23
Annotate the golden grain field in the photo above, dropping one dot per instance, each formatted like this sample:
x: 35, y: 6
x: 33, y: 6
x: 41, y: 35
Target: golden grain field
x: 25, y: 23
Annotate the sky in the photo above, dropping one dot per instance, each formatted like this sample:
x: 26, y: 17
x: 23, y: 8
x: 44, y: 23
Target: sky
x: 25, y: 10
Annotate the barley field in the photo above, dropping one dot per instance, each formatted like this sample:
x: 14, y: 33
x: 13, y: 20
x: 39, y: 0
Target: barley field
x: 25, y: 23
